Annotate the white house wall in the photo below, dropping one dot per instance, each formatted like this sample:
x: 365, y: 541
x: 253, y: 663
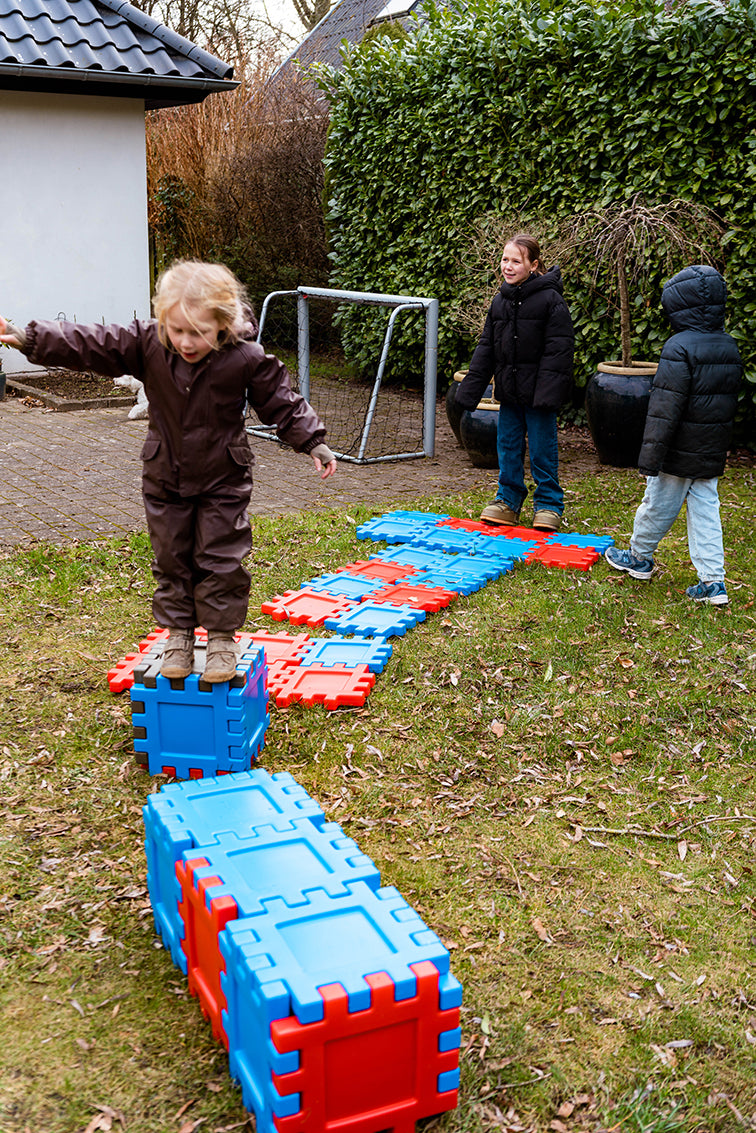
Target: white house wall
x: 73, y: 210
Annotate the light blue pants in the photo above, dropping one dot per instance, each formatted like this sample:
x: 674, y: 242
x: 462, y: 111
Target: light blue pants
x: 660, y: 507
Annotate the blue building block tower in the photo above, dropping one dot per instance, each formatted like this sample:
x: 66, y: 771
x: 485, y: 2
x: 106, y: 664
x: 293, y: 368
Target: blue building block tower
x: 188, y: 728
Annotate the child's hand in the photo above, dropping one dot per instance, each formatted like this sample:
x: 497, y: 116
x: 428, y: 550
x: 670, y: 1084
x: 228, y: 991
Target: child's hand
x: 324, y: 460
x: 11, y: 335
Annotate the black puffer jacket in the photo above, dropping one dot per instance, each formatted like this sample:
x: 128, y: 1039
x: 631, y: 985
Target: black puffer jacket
x: 694, y: 391
x: 527, y: 347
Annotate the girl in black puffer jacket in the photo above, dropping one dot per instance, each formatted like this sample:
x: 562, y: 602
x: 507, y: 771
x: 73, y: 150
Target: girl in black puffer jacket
x: 688, y: 429
x: 527, y: 347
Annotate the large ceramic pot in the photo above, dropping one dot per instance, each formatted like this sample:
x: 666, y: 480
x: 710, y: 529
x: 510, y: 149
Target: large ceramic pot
x: 477, y: 429
x: 453, y: 411
x: 616, y: 403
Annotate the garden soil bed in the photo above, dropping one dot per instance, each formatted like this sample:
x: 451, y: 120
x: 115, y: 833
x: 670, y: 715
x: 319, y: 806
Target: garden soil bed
x: 67, y: 389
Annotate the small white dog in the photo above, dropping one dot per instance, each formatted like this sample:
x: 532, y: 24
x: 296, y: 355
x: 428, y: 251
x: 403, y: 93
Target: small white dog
x: 142, y: 407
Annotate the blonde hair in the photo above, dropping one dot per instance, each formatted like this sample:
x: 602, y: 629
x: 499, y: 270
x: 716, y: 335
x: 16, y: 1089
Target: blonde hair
x: 194, y: 286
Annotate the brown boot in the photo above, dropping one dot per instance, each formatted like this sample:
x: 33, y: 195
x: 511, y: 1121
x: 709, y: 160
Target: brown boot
x: 222, y: 657
x: 178, y: 655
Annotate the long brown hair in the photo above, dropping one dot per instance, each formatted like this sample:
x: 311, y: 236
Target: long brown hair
x: 532, y: 249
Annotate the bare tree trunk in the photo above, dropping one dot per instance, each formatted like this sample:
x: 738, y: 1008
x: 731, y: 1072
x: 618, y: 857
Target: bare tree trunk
x: 624, y: 304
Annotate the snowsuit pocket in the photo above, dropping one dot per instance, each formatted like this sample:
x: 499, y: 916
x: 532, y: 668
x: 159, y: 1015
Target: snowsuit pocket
x: 150, y: 448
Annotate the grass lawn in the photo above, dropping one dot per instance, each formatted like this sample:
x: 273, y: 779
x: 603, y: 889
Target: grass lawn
x: 557, y: 772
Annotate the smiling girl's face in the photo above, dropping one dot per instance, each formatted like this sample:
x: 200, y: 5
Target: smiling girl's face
x: 515, y: 265
x: 192, y: 337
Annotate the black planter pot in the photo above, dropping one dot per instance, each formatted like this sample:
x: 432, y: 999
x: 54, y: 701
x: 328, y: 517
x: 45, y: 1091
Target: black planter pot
x: 2, y: 386
x: 616, y: 403
x: 453, y: 411
x: 477, y: 428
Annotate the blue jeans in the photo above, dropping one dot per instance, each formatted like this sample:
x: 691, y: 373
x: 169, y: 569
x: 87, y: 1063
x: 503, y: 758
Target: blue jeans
x: 660, y: 507
x: 541, y: 429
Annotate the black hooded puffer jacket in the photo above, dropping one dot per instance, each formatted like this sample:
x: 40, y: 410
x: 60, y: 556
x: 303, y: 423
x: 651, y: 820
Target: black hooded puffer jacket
x: 527, y: 347
x: 694, y: 391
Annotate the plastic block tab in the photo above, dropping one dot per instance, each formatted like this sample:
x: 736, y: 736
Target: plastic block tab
x: 349, y: 652
x: 306, y: 607
x: 352, y: 586
x: 503, y: 547
x: 376, y: 619
x: 375, y: 1069
x: 555, y: 555
x: 334, y: 686
x: 418, y: 596
x: 196, y: 728
x: 121, y: 676
x: 385, y: 571
x: 182, y: 817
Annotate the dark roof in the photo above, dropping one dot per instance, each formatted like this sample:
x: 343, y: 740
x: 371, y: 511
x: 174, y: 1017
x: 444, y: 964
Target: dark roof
x: 347, y: 20
x: 103, y: 47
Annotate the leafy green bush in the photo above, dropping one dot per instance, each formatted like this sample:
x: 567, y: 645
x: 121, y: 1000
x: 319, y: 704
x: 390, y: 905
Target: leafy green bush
x: 534, y: 109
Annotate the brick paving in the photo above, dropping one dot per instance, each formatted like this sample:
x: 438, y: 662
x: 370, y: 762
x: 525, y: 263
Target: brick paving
x: 76, y: 476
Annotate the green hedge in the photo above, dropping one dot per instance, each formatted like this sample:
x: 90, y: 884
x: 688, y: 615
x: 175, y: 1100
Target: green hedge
x: 544, y: 110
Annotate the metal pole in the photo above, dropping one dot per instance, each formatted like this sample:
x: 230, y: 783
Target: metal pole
x: 431, y: 378
x: 303, y: 343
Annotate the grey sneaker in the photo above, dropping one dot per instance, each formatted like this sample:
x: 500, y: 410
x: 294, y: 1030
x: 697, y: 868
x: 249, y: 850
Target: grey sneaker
x: 501, y: 513
x: 222, y: 658
x: 178, y: 655
x: 713, y: 593
x: 546, y: 520
x: 635, y: 566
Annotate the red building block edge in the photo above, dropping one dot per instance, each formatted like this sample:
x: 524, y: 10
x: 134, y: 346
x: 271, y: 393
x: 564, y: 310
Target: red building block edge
x: 364, y: 1071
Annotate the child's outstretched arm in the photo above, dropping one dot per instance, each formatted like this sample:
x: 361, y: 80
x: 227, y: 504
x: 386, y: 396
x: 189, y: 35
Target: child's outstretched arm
x: 11, y: 336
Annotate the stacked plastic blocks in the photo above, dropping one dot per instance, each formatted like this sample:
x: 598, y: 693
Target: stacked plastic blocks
x: 333, y: 998
x: 189, y: 728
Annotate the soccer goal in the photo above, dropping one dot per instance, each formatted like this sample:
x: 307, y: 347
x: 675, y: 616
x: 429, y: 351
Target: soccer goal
x: 367, y: 422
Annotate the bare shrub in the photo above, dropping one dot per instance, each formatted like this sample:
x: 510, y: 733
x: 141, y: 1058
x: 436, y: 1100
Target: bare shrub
x: 239, y: 178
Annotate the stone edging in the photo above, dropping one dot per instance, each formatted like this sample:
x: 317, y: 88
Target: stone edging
x: 64, y: 404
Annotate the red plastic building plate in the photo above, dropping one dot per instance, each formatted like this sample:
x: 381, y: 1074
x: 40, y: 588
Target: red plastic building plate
x: 203, y: 926
x: 333, y: 686
x: 428, y: 598
x: 306, y: 607
x: 370, y: 1070
x: 555, y: 555
x: 376, y: 568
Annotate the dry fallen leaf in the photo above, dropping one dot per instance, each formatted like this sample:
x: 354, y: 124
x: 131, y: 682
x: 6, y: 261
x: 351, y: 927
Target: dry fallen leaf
x: 541, y: 930
x: 497, y: 729
x: 682, y: 849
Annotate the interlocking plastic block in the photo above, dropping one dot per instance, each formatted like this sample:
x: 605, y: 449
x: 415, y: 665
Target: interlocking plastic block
x: 468, y: 525
x: 527, y: 533
x: 477, y: 567
x: 121, y: 676
x: 555, y: 555
x: 375, y: 568
x: 232, y: 877
x: 570, y: 539
x: 146, y: 644
x: 184, y: 816
x: 502, y: 547
x: 448, y: 539
x: 399, y: 529
x: 382, y: 1068
x: 419, y: 597
x: 333, y: 687
x: 422, y: 516
x: 376, y: 619
x: 194, y: 728
x: 409, y: 554
x: 282, y: 646
x: 306, y: 607
x: 349, y: 652
x: 276, y: 962
x: 467, y: 581
x: 352, y: 586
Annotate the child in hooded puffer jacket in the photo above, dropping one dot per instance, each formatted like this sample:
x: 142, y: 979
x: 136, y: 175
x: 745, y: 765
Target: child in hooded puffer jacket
x: 687, y: 435
x: 200, y: 366
x: 527, y: 347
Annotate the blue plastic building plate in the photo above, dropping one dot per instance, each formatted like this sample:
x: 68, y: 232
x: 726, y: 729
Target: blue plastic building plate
x: 500, y: 547
x: 597, y: 542
x: 410, y: 554
x: 448, y: 539
x: 374, y: 619
x: 348, y: 652
x: 400, y: 530
x: 352, y: 586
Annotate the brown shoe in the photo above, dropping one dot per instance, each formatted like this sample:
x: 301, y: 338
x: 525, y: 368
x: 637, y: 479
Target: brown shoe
x: 178, y: 655
x: 545, y: 520
x: 222, y: 658
x: 500, y: 513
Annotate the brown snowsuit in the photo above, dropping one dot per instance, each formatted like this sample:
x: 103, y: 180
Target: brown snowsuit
x: 197, y: 471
